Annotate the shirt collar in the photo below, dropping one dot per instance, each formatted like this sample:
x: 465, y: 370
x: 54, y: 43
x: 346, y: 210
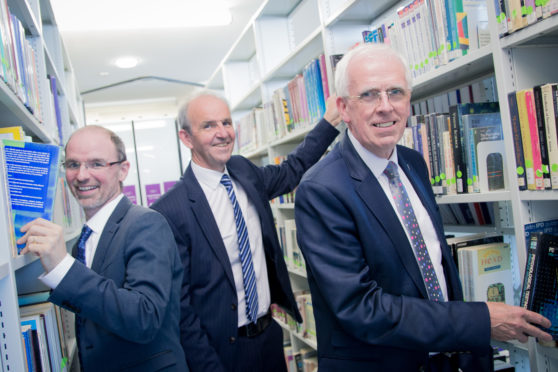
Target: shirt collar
x: 99, y: 220
x: 376, y: 164
x: 208, y: 177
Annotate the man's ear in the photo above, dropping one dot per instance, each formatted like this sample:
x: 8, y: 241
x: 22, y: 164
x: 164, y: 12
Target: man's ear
x: 342, y: 108
x: 185, y: 138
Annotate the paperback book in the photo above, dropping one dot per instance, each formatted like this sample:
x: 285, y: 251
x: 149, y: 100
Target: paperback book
x: 32, y: 175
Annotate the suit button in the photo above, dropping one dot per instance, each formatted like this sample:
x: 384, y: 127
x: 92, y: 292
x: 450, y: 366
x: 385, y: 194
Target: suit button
x: 233, y: 306
x: 232, y: 340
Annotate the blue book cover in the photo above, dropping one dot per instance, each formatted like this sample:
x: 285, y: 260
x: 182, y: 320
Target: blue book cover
x: 32, y: 175
x: 547, y: 227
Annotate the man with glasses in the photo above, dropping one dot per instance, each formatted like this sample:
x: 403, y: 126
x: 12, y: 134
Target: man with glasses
x: 123, y: 282
x: 385, y: 291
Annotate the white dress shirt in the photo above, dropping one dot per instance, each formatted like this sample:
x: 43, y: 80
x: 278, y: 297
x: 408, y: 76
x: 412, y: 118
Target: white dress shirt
x: 377, y: 166
x: 97, y: 224
x: 221, y: 206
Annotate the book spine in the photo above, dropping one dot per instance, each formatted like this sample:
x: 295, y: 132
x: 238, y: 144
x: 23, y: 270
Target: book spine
x: 526, y: 139
x: 541, y: 127
x: 529, y: 271
x: 534, y: 135
x: 518, y: 142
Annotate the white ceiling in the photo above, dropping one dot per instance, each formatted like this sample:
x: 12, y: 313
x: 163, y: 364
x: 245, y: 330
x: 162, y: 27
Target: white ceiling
x: 186, y: 54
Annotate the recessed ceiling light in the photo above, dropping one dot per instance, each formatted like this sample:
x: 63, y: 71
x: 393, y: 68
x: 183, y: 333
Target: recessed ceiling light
x: 103, y: 73
x: 82, y: 15
x: 126, y: 62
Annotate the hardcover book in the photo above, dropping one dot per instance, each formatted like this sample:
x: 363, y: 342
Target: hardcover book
x: 540, y: 284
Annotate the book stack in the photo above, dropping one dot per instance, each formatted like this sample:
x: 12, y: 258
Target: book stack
x: 486, y: 272
x: 533, y: 114
x: 513, y: 15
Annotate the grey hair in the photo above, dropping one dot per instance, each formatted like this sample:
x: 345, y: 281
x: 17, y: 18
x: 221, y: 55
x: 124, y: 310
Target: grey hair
x: 183, y: 119
x: 371, y: 50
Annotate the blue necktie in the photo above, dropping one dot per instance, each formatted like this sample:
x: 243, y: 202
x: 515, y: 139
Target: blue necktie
x: 407, y: 214
x: 248, y: 275
x: 85, y: 233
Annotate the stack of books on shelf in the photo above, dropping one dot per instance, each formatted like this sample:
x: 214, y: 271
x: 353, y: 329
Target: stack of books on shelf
x: 533, y: 114
x: 430, y: 33
x: 19, y: 61
x: 463, y: 148
x: 291, y: 251
x: 475, y: 213
x: 302, y: 360
x: 299, y: 104
x: 47, y: 333
x: 513, y: 15
x: 486, y: 272
x: 306, y: 329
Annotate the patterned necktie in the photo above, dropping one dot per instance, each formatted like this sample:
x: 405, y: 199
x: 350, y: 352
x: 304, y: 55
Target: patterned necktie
x: 85, y: 233
x: 407, y: 214
x: 248, y: 275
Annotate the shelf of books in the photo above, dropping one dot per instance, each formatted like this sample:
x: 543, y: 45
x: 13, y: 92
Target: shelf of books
x: 39, y: 107
x: 484, y: 114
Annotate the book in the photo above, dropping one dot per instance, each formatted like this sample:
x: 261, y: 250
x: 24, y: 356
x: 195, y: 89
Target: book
x: 32, y: 176
x: 548, y: 227
x: 517, y: 143
x: 455, y: 243
x: 486, y: 273
x: 540, y: 284
x: 14, y: 133
x: 550, y: 112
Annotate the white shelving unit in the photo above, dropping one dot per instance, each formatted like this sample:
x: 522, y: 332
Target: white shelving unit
x: 283, y: 36
x: 51, y: 60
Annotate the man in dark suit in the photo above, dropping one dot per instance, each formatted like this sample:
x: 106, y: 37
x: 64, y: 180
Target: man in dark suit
x: 125, y: 292
x: 225, y: 320
x: 376, y: 306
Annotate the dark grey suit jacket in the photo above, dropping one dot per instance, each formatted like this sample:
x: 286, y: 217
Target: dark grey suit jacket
x: 128, y: 302
x: 209, y: 323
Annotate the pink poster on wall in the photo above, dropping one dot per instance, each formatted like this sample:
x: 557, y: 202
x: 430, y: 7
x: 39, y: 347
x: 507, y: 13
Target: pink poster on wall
x: 130, y: 192
x: 167, y: 185
x: 152, y: 193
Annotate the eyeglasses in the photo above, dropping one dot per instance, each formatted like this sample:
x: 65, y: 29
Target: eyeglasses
x: 94, y: 165
x: 374, y: 96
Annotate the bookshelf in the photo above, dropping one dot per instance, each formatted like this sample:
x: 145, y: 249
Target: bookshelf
x: 283, y: 36
x: 43, y: 122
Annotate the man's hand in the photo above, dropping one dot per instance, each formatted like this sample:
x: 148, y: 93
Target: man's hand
x: 46, y: 240
x: 515, y: 323
x: 332, y: 115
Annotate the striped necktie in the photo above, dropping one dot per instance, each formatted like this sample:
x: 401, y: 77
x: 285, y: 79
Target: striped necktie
x: 403, y: 203
x: 85, y: 233
x: 248, y: 275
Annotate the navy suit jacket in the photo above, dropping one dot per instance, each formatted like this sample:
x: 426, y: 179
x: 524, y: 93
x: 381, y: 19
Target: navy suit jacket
x: 128, y: 303
x: 209, y: 314
x: 368, y: 294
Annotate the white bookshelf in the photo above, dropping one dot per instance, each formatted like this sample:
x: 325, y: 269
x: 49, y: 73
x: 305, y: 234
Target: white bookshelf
x: 51, y: 59
x: 283, y: 36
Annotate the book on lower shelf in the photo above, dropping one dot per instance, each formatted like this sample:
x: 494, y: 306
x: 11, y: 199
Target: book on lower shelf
x: 540, y: 283
x: 486, y: 273
x: 32, y: 177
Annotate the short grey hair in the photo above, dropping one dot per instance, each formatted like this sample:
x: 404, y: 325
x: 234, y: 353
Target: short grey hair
x: 114, y: 138
x: 183, y: 117
x: 371, y: 50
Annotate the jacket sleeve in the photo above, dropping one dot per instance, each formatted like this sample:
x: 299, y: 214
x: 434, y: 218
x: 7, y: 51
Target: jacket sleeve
x: 135, y: 308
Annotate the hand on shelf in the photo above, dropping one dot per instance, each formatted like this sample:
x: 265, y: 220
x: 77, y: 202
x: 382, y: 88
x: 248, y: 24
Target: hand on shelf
x: 332, y: 115
x: 45, y: 240
x: 516, y: 323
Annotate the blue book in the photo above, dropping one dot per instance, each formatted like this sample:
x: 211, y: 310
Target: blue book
x: 32, y: 175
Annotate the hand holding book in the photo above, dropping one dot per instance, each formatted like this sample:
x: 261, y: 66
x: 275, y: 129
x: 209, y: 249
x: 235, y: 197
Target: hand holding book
x: 44, y: 239
x: 516, y: 323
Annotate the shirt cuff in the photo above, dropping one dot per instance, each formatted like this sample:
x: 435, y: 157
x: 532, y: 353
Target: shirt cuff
x: 55, y: 276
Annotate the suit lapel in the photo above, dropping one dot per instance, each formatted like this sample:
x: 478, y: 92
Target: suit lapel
x: 373, y: 196
x: 206, y: 221
x: 108, y: 233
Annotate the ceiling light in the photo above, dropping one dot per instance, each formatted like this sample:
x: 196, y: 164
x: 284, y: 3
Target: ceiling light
x: 126, y: 62
x: 87, y: 15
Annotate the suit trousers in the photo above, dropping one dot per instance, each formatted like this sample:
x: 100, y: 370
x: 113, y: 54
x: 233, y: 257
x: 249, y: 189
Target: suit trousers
x: 262, y: 353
